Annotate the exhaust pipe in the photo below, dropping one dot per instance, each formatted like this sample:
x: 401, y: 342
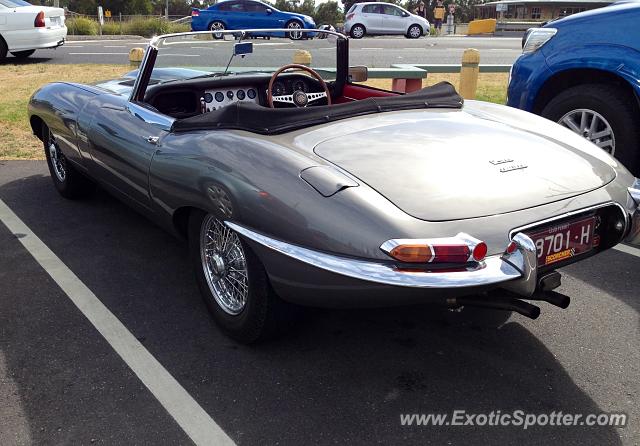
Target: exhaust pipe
x: 498, y: 303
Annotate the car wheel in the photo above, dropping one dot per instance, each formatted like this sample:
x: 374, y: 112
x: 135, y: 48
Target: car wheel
x: 296, y: 27
x: 23, y: 54
x: 67, y: 180
x: 232, y: 281
x: 357, y: 31
x: 3, y: 48
x: 415, y: 32
x: 217, y: 27
x: 604, y: 115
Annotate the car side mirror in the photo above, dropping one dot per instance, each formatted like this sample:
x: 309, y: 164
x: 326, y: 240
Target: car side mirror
x: 269, y: 11
x: 358, y: 74
x: 404, y: 14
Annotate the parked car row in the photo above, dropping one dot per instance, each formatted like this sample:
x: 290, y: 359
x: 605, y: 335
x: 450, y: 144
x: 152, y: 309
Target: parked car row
x: 25, y: 28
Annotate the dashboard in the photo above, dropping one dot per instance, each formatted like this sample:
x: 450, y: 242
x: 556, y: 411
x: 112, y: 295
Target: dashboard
x: 190, y: 97
x: 221, y: 97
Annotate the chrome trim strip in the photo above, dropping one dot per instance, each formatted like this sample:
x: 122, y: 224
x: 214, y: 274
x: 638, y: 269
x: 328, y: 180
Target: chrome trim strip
x: 492, y: 271
x: 570, y: 214
x: 633, y: 236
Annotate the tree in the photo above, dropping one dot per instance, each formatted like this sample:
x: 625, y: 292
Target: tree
x: 328, y: 13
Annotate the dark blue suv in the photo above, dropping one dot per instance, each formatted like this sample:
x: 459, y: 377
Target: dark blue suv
x: 583, y: 72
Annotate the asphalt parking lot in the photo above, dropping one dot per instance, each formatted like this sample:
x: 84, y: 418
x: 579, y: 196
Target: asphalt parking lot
x: 338, y: 377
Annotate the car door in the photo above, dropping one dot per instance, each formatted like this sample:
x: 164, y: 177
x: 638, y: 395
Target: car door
x: 393, y: 20
x: 235, y: 15
x: 258, y: 17
x: 123, y: 139
x: 371, y: 18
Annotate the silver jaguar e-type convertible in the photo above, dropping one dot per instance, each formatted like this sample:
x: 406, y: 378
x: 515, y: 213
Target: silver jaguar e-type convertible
x: 294, y: 183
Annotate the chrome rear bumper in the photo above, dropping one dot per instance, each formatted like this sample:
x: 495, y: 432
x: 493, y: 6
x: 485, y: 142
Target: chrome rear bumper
x: 518, y: 271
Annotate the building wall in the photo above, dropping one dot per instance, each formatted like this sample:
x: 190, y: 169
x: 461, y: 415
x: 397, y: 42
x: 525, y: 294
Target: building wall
x: 539, y: 11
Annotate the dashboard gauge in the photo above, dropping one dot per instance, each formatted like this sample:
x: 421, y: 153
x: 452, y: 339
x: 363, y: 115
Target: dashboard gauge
x: 219, y: 96
x: 251, y: 93
x: 208, y: 98
x: 278, y: 89
x: 299, y: 85
x: 230, y: 94
x: 240, y: 95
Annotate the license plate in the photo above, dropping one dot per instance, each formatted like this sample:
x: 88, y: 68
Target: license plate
x: 562, y: 242
x: 55, y: 21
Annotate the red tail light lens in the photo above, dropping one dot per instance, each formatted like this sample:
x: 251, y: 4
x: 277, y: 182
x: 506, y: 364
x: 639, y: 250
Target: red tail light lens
x: 350, y: 16
x: 39, y: 21
x: 451, y: 253
x: 511, y: 247
x: 195, y: 13
x: 480, y: 252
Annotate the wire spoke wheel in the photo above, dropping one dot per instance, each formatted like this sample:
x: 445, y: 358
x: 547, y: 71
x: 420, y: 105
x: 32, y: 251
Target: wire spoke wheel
x: 57, y: 159
x: 592, y: 126
x: 225, y: 266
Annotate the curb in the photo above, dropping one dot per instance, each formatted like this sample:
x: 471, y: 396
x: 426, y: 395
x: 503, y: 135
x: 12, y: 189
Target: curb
x: 72, y: 38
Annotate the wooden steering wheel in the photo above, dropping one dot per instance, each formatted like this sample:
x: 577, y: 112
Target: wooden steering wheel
x: 298, y: 98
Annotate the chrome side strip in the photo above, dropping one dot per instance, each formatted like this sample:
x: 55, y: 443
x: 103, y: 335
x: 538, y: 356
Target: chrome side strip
x: 494, y: 270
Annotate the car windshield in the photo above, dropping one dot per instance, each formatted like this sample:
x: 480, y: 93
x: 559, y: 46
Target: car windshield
x: 200, y: 54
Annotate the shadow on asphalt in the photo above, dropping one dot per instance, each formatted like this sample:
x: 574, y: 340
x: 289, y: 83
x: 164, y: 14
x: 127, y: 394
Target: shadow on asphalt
x: 338, y: 376
x: 10, y: 60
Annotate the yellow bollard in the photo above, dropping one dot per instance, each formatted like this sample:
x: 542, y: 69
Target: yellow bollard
x: 302, y: 57
x: 135, y: 56
x: 469, y: 73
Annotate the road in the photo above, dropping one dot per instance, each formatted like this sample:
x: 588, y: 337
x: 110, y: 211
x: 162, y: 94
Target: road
x: 373, y: 52
x: 338, y: 377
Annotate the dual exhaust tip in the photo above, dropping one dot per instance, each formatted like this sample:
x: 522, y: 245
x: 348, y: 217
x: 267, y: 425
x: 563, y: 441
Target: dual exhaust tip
x: 547, y: 283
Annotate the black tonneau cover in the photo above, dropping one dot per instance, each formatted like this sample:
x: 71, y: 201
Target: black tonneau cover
x: 269, y: 121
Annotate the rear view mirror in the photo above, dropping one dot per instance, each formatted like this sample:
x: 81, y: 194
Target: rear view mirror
x: 240, y: 49
x: 358, y: 74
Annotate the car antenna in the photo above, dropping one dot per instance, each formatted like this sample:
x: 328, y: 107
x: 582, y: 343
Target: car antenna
x: 233, y: 54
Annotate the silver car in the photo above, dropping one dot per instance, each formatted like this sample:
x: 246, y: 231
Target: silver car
x: 383, y: 18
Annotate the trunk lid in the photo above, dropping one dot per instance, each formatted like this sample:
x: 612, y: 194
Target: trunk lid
x: 450, y: 166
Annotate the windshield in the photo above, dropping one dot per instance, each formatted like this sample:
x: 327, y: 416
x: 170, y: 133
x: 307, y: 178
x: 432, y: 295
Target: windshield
x: 191, y: 55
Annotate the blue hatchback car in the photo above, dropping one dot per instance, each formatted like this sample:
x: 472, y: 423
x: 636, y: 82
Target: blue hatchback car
x: 583, y: 71
x: 248, y: 14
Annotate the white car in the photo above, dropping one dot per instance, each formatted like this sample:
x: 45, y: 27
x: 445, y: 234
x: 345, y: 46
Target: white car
x: 383, y: 18
x: 25, y: 28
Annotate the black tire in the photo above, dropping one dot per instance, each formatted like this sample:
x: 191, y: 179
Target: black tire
x: 612, y: 103
x: 72, y: 184
x: 415, y: 32
x: 22, y: 54
x: 263, y: 314
x: 3, y: 49
x: 358, y: 31
x: 217, y: 25
x: 298, y: 35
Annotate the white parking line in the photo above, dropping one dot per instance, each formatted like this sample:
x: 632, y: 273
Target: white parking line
x: 627, y: 249
x: 192, y: 418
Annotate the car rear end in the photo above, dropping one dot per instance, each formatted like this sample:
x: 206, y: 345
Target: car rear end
x: 35, y: 27
x: 198, y: 19
x: 351, y: 17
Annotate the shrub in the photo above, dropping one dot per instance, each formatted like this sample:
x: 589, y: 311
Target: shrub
x: 81, y: 26
x: 179, y: 27
x: 111, y: 28
x: 146, y: 27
